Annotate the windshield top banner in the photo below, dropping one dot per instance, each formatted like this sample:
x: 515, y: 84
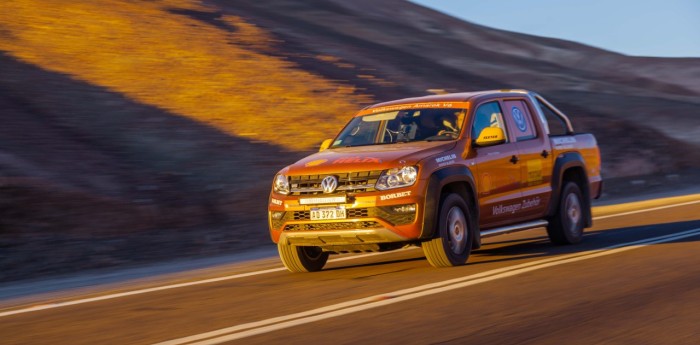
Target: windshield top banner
x: 425, y: 105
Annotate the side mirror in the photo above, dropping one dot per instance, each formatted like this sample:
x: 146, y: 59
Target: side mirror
x: 490, y: 136
x: 325, y: 144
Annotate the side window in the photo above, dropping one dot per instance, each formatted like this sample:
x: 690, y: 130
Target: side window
x: 556, y: 124
x: 488, y: 115
x: 520, y: 118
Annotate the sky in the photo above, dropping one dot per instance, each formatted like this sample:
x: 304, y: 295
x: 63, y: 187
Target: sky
x: 668, y: 28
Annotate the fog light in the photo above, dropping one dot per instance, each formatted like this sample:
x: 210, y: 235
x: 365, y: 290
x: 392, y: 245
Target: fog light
x: 276, y: 215
x: 410, y: 208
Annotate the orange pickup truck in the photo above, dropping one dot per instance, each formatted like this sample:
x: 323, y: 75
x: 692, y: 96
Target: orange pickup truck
x: 441, y: 172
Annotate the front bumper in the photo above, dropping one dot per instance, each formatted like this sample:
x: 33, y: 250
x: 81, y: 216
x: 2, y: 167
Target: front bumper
x: 370, y: 220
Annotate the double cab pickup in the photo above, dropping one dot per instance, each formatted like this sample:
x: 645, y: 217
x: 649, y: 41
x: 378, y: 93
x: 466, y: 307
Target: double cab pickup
x: 440, y: 172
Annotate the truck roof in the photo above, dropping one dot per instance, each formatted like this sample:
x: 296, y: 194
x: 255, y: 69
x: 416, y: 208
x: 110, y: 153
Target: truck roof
x: 453, y: 97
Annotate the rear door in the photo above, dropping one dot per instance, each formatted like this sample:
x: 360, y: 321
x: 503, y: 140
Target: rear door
x: 534, y: 156
x: 498, y: 175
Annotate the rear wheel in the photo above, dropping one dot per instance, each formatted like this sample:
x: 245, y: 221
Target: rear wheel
x: 302, y: 259
x: 566, y: 227
x: 454, y: 241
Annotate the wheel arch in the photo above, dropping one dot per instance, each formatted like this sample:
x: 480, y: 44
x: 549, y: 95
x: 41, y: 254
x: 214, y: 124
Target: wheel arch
x: 570, y: 166
x: 455, y: 179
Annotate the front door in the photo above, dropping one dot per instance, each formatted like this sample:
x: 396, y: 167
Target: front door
x: 497, y: 173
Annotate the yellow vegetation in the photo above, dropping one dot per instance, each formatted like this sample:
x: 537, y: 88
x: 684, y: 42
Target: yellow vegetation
x: 146, y: 51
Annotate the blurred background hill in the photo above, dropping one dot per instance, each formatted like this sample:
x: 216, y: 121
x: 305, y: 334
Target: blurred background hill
x: 146, y: 130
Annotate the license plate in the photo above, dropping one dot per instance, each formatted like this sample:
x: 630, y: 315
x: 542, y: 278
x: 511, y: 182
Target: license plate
x: 324, y: 213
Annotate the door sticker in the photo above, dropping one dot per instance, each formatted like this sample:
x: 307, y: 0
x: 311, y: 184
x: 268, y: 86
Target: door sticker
x: 486, y: 183
x: 519, y: 119
x: 534, y: 172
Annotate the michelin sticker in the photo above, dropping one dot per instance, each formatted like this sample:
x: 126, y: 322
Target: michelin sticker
x: 394, y: 195
x: 519, y: 119
x: 446, y: 160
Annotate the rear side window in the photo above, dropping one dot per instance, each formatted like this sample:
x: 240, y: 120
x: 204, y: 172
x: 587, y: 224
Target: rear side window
x: 555, y: 123
x: 487, y: 115
x: 519, y: 116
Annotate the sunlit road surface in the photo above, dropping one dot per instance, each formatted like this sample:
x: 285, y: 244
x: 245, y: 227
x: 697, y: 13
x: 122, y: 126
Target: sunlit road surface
x: 634, y: 280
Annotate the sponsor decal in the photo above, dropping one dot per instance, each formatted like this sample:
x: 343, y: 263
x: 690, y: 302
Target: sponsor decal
x: 426, y: 105
x: 534, y: 202
x: 563, y: 141
x: 328, y: 200
x: 519, y: 119
x: 394, y: 195
x: 446, y: 160
x: 315, y: 163
x: 276, y: 202
x: 534, y: 171
x: 412, y: 106
x: 358, y: 159
x: 486, y: 183
x: 527, y: 203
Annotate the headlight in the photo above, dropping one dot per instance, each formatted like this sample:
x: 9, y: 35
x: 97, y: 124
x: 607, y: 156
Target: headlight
x: 281, y: 184
x: 397, y: 177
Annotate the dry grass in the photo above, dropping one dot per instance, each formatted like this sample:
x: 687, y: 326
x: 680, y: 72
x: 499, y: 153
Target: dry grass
x: 146, y: 51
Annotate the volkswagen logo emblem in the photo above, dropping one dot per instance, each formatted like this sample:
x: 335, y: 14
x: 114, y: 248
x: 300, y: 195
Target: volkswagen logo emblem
x: 329, y: 184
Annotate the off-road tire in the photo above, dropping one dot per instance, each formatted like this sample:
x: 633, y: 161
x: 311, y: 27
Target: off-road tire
x: 566, y: 226
x: 453, y: 243
x: 302, y: 259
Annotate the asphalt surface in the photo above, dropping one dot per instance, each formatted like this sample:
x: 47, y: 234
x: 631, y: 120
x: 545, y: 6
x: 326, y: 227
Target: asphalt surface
x: 635, y: 279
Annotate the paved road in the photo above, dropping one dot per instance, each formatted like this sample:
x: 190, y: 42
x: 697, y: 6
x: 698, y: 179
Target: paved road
x: 634, y: 280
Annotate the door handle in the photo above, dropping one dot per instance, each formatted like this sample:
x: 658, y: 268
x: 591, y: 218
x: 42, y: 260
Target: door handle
x: 545, y: 153
x: 514, y: 159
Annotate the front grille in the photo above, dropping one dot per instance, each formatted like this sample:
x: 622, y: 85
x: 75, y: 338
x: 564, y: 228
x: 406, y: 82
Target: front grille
x: 276, y: 224
x: 362, y: 181
x: 332, y: 226
x: 399, y: 218
x: 357, y: 212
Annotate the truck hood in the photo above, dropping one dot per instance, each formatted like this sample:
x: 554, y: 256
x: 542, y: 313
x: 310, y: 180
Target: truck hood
x: 367, y: 158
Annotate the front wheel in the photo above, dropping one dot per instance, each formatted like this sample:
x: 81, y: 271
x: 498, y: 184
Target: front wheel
x: 455, y: 236
x: 566, y: 226
x: 302, y: 259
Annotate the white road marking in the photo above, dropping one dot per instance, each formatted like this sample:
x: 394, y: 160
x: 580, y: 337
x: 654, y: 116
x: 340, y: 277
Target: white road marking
x: 340, y: 309
x: 243, y: 275
x: 647, y: 210
x: 134, y: 292
x: 165, y: 287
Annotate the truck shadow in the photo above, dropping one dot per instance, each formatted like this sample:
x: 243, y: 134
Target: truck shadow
x: 540, y: 247
x: 598, y: 239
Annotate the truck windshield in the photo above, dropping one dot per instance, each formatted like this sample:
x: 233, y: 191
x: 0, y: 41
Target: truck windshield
x: 402, y: 126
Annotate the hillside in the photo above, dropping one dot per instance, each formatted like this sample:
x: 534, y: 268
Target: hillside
x: 135, y: 130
